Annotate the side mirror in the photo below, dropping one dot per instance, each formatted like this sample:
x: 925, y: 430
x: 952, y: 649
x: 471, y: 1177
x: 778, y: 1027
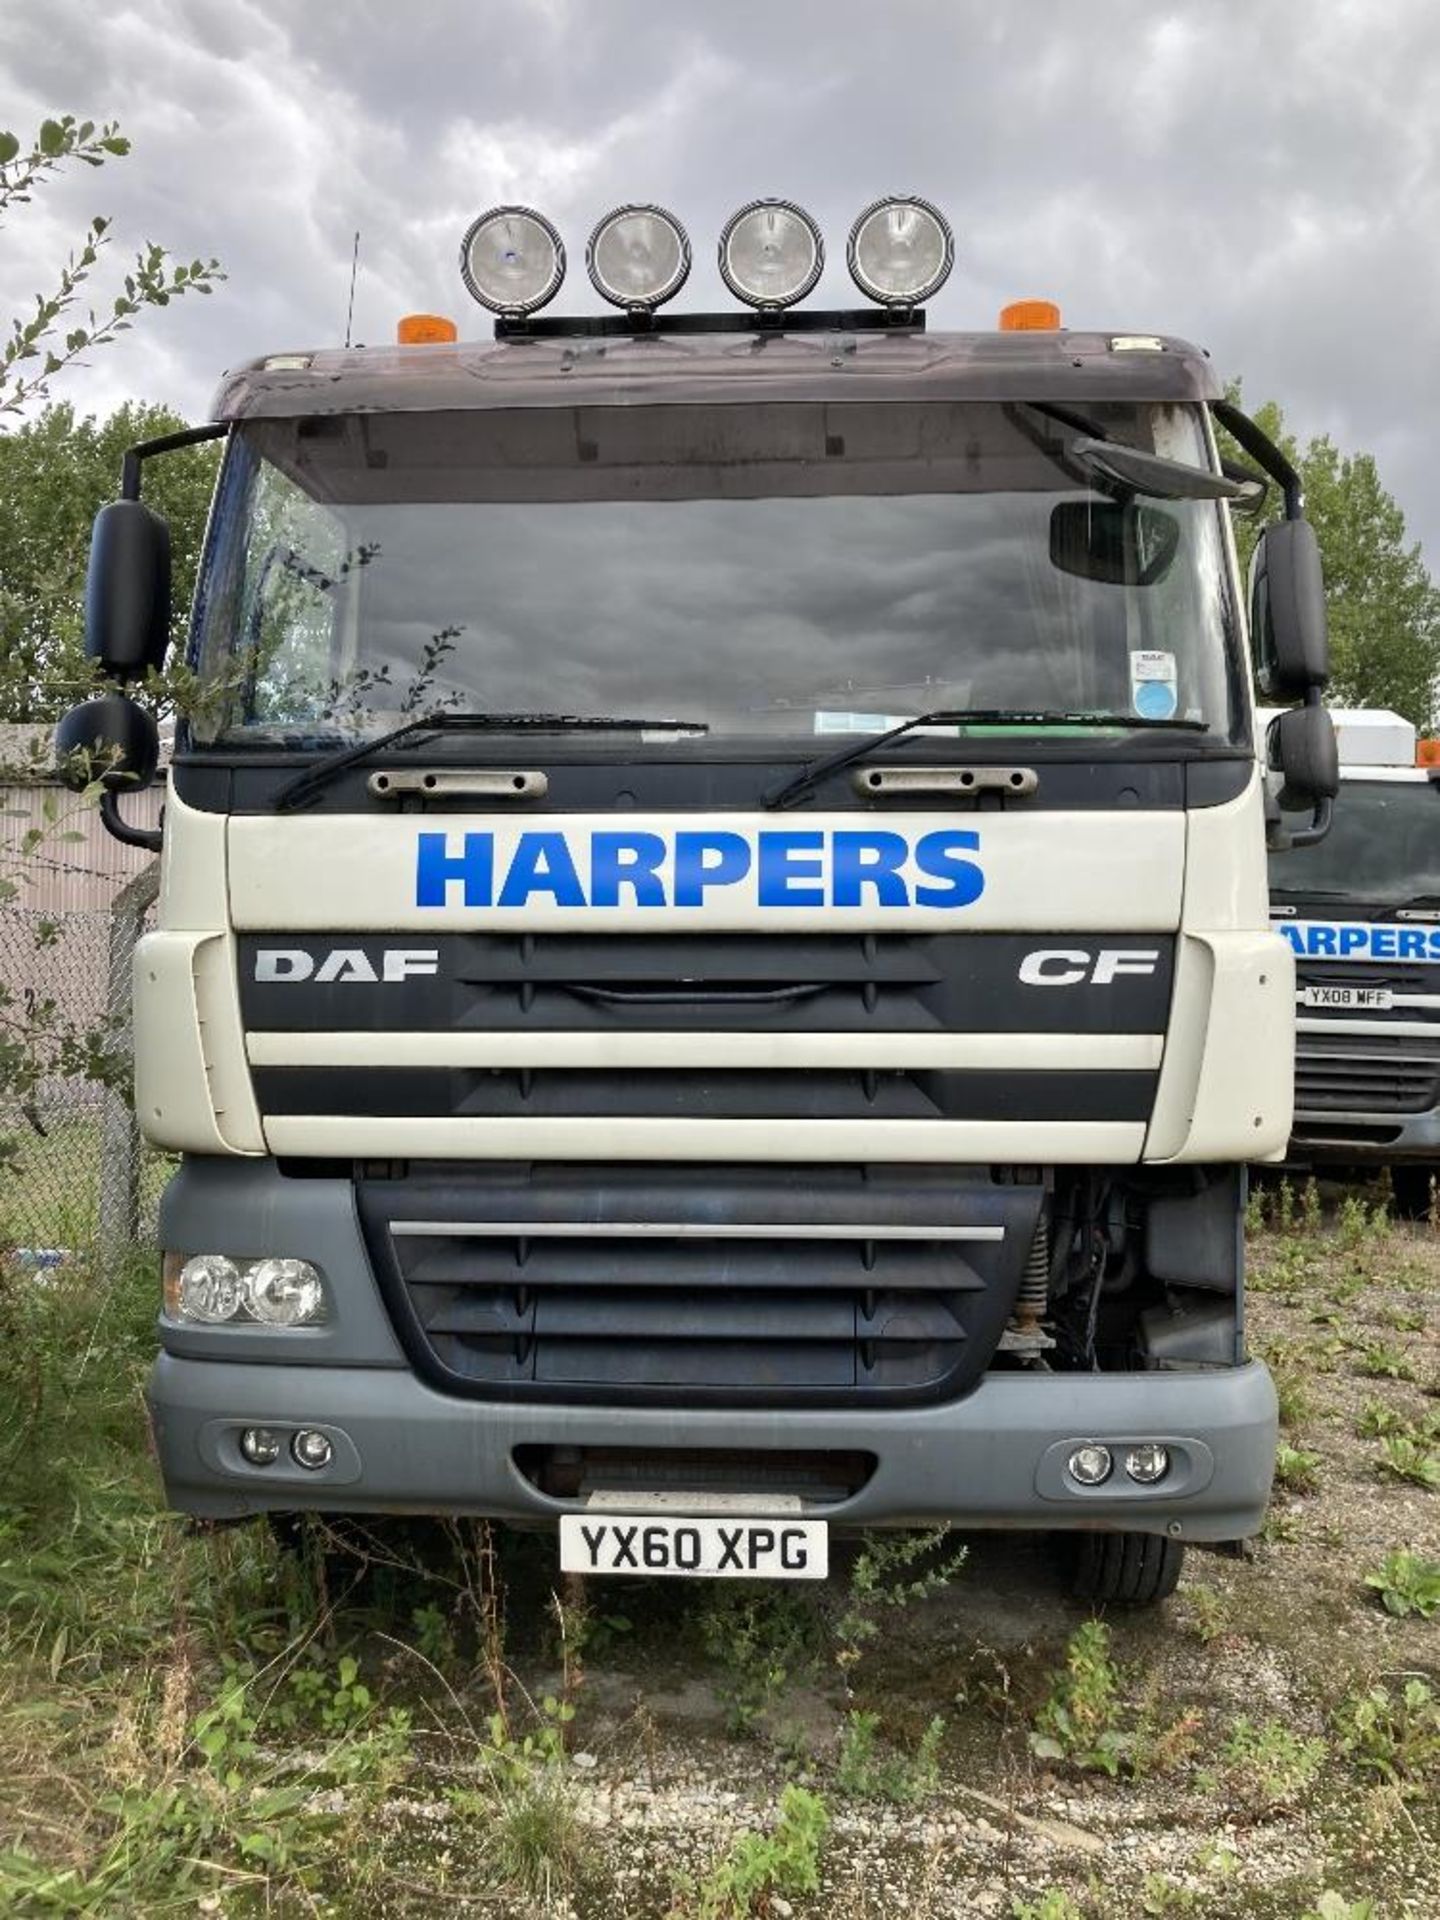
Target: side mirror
x: 1302, y: 748
x: 1287, y: 612
x: 116, y: 742
x: 127, y: 590
x: 1114, y: 543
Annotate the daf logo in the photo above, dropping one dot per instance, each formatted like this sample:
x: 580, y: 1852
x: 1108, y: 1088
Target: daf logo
x: 344, y: 964
x: 1074, y: 967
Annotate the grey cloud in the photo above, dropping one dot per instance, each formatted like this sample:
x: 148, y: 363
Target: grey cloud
x: 1263, y: 179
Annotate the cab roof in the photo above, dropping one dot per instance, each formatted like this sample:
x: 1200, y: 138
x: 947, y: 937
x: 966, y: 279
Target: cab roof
x: 693, y: 366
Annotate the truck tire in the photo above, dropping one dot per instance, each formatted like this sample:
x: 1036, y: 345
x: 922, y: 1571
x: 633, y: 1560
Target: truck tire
x: 1410, y: 1185
x: 1124, y: 1569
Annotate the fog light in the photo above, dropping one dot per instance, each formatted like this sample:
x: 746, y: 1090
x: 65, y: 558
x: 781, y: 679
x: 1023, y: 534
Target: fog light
x: 285, y: 1293
x: 260, y: 1446
x: 1148, y: 1463
x: 210, y: 1289
x: 312, y: 1448
x: 512, y: 260
x: 901, y: 251
x: 1090, y: 1465
x: 771, y: 253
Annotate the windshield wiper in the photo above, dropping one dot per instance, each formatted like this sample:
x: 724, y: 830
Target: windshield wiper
x: 304, y: 787
x: 808, y: 777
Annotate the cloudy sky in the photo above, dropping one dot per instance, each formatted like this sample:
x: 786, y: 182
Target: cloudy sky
x: 1260, y: 177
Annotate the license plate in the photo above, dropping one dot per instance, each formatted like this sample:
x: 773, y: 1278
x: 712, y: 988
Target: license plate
x: 714, y: 1549
x: 1345, y: 997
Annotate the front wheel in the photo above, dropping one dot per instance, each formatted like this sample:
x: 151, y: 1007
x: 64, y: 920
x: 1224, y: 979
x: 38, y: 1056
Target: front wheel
x: 1124, y: 1569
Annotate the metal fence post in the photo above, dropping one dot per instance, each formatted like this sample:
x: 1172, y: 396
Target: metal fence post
x: 118, y: 1224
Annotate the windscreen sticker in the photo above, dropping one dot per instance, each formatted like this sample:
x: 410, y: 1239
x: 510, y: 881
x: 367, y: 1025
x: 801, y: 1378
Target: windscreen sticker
x: 1152, y: 684
x: 831, y: 721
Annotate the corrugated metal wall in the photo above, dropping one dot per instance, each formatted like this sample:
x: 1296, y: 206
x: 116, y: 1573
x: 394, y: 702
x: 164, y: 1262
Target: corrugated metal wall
x: 77, y: 868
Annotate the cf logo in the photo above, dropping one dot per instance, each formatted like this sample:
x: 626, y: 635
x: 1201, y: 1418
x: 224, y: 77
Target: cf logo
x: 1072, y: 966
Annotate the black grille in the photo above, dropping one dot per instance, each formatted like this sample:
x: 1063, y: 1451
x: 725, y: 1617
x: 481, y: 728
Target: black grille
x: 1394, y: 975
x: 801, y: 1286
x: 1366, y: 1073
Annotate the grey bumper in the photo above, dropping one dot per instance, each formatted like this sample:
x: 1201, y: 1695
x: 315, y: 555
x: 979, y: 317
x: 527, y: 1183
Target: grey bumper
x: 1320, y: 1137
x: 994, y: 1459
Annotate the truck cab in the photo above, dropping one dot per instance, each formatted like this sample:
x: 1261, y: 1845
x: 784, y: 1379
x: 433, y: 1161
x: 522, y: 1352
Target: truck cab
x: 1362, y: 914
x: 714, y: 979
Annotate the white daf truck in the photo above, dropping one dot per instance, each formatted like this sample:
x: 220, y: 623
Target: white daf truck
x: 713, y: 981
x: 1363, y: 917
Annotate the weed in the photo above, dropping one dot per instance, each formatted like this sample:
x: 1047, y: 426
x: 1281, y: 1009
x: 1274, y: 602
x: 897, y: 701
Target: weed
x: 761, y: 1638
x: 1377, y: 1418
x: 1406, y: 1583
x: 1405, y: 1458
x: 1160, y: 1895
x: 1402, y: 1319
x: 1394, y: 1735
x: 1079, y: 1720
x: 1281, y: 1528
x: 1356, y: 1223
x: 524, y: 1815
x: 1296, y: 1406
x: 1334, y: 1906
x: 760, y: 1866
x: 1381, y: 1362
x: 1296, y: 1470
x: 1207, y: 1613
x: 1265, y: 1766
x: 1053, y: 1904
x: 884, y: 1579
x: 865, y: 1771
x: 434, y: 1636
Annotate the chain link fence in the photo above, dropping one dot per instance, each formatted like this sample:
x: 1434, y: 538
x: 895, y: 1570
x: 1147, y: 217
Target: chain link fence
x: 81, y: 1177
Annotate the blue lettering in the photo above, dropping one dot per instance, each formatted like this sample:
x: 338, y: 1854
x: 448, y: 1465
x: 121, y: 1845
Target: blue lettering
x: 1433, y: 941
x: 786, y: 861
x: 1294, y: 936
x: 941, y: 856
x: 1322, y: 942
x: 1382, y: 943
x: 693, y: 872
x: 436, y: 867
x: 1411, y: 944
x: 626, y: 860
x: 1352, y: 940
x: 869, y: 859
x: 542, y: 864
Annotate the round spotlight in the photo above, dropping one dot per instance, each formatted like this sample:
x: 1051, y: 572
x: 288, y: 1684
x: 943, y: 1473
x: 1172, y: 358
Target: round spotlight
x: 901, y: 251
x: 260, y: 1446
x: 312, y: 1449
x: 1147, y: 1463
x: 210, y: 1289
x: 512, y: 260
x: 638, y: 257
x: 771, y: 253
x: 1090, y: 1464
x: 284, y: 1293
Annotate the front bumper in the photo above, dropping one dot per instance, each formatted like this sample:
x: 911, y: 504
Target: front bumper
x: 994, y: 1459
x: 1364, y: 1138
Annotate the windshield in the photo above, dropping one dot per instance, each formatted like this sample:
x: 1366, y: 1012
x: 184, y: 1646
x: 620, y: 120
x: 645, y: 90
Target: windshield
x: 786, y: 570
x: 1383, y: 847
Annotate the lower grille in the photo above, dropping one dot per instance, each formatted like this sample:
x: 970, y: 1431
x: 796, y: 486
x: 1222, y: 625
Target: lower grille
x: 800, y: 1286
x: 1366, y: 1074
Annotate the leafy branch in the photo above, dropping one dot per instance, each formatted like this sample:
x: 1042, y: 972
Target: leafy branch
x: 61, y: 330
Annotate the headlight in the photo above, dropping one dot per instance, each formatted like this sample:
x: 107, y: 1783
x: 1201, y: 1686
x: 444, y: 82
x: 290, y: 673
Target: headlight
x: 638, y: 257
x: 284, y: 1293
x: 512, y: 260
x: 900, y: 252
x: 211, y: 1289
x: 771, y: 253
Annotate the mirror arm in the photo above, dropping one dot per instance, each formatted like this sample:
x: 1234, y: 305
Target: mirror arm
x: 1306, y: 836
x: 149, y: 838
x: 1263, y: 450
x: 167, y: 443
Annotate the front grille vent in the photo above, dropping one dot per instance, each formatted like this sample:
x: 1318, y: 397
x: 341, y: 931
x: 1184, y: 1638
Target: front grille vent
x: 801, y: 1286
x: 1366, y: 1073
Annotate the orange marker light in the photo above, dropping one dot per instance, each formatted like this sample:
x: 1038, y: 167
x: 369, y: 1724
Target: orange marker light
x: 1427, y: 753
x: 425, y: 330
x: 1030, y: 316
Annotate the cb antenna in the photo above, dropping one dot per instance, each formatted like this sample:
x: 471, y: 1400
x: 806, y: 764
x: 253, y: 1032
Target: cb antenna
x: 354, y: 268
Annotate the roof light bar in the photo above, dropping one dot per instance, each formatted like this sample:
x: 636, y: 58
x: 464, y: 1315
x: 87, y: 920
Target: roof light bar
x: 771, y: 253
x: 512, y: 260
x: 900, y: 251
x: 638, y: 258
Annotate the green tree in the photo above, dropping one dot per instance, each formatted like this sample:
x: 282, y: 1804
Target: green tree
x: 56, y: 471
x: 1384, y: 608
